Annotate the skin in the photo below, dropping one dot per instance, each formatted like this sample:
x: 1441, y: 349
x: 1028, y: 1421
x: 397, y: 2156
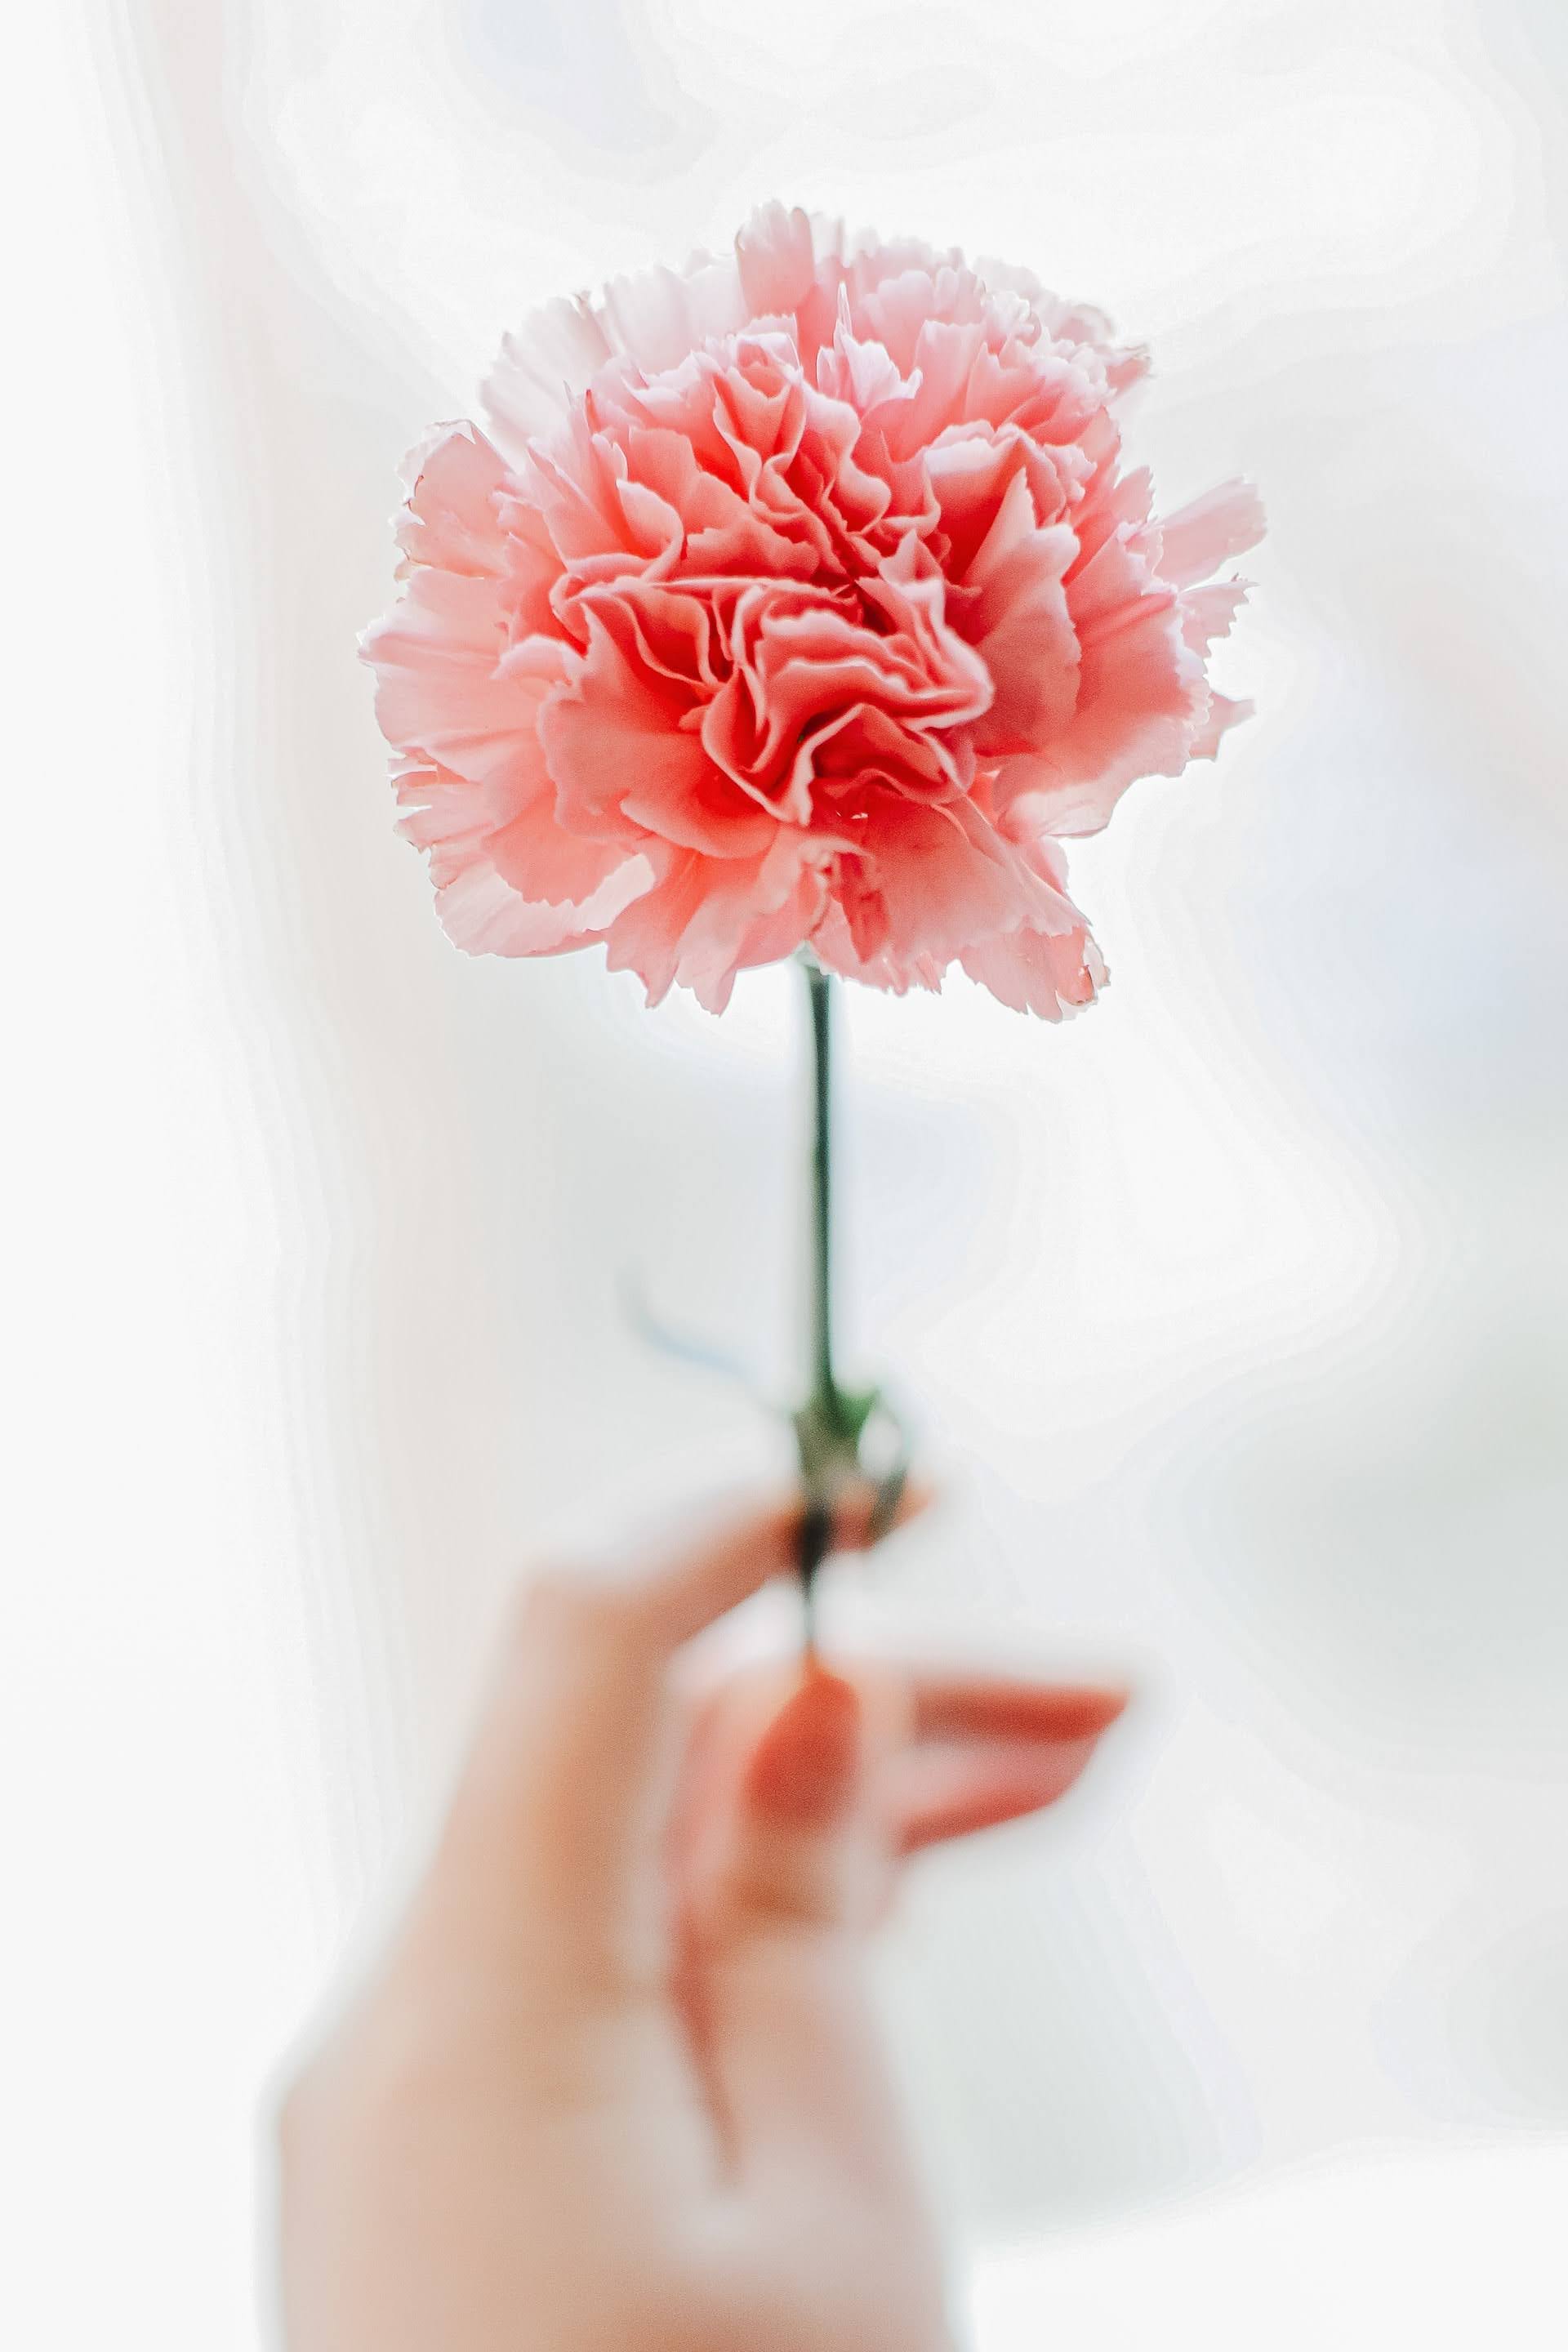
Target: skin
x: 617, y: 2086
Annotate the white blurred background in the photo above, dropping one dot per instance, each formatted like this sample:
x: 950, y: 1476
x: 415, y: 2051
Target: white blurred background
x: 1235, y: 1312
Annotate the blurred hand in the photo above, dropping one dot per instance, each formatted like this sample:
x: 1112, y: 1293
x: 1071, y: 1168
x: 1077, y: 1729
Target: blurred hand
x: 619, y: 2085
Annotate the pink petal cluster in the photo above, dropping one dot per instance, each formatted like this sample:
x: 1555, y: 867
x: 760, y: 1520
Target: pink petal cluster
x: 796, y: 598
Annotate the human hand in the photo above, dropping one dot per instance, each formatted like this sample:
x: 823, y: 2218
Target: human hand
x: 617, y: 2086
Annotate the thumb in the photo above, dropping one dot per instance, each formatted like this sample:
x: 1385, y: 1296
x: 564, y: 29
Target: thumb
x: 791, y: 2036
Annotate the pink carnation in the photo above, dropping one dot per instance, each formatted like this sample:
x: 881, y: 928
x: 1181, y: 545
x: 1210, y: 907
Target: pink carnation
x: 798, y: 597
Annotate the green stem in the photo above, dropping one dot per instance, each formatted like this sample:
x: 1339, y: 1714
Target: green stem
x: 826, y: 1386
x: 823, y: 1404
x: 831, y: 1426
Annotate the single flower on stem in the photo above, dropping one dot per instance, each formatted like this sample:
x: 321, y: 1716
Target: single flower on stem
x: 798, y: 602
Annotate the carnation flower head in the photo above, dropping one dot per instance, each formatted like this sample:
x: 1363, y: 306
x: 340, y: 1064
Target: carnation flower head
x: 796, y: 599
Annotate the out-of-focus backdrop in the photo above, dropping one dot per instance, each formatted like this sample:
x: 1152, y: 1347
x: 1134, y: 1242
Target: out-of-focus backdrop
x: 1235, y: 1312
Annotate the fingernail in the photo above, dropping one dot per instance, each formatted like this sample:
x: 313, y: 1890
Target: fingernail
x: 803, y: 1773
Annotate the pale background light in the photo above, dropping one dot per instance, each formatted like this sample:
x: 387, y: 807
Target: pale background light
x: 1234, y: 1312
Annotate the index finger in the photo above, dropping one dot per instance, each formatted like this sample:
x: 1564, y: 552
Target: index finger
x: 553, y: 1831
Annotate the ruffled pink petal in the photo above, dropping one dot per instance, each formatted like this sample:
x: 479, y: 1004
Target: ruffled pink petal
x: 1020, y: 624
x: 440, y: 693
x: 1222, y: 715
x: 1041, y: 972
x: 777, y: 258
x: 507, y: 880
x: 483, y: 915
x: 624, y: 767
x: 542, y: 371
x: 803, y: 668
x: 1141, y: 698
x: 1049, y: 966
x: 452, y: 520
x: 927, y: 881
x: 604, y: 525
x: 1141, y: 695
x: 1208, y: 612
x: 660, y: 316
x: 1076, y: 325
x: 1201, y: 536
x: 705, y: 919
x: 836, y: 946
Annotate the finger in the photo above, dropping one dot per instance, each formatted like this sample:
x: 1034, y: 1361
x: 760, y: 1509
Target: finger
x: 993, y: 1706
x: 945, y: 1793
x: 788, y: 2030
x: 552, y: 1838
x: 994, y: 1749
